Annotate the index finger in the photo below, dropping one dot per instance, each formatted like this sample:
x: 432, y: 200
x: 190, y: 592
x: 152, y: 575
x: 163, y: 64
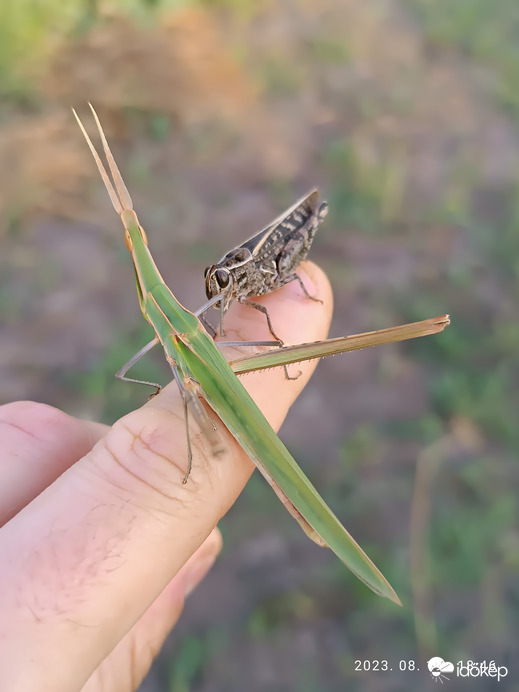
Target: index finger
x: 94, y: 549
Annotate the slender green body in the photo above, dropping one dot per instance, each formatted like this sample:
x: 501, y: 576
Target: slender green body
x: 186, y: 342
x: 202, y: 369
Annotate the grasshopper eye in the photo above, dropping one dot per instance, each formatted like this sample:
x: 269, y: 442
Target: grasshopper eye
x: 222, y: 278
x: 322, y: 211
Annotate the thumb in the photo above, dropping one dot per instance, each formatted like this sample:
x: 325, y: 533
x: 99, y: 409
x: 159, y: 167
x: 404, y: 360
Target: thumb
x: 126, y: 666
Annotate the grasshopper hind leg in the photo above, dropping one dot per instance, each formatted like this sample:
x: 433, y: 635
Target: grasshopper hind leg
x: 189, y: 389
x: 183, y: 392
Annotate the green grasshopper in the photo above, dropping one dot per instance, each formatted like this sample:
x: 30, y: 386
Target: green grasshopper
x: 202, y: 372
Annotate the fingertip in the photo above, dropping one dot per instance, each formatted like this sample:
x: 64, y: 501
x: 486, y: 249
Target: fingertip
x: 316, y: 282
x: 309, y: 320
x: 295, y: 317
x: 45, y: 442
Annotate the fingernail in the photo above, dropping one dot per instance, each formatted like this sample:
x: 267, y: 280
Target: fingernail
x: 307, y: 279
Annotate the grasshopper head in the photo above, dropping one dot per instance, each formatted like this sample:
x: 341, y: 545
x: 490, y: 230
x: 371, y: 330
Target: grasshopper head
x: 218, y: 280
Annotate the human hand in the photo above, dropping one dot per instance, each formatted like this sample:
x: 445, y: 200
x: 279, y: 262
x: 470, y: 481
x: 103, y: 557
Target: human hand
x: 100, y: 541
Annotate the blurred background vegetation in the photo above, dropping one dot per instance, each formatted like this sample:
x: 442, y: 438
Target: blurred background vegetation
x: 406, y: 114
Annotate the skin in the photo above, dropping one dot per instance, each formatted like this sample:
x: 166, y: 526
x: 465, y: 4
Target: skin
x: 100, y: 541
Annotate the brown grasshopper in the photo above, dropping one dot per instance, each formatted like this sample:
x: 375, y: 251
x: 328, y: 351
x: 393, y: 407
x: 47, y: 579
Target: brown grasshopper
x: 268, y: 260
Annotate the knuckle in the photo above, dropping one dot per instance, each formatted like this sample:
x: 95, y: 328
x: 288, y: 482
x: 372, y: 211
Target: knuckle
x: 142, y: 455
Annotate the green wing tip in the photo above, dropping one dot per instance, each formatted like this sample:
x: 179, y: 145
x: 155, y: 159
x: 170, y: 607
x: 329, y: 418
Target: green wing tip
x: 378, y: 584
x: 387, y: 591
x: 393, y: 597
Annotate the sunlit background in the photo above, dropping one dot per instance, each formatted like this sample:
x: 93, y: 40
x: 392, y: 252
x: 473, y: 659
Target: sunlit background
x: 405, y: 114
